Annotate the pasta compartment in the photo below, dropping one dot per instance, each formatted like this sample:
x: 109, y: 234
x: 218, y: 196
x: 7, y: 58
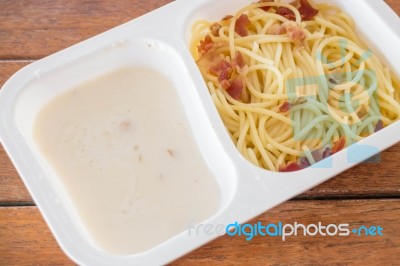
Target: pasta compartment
x: 358, y: 105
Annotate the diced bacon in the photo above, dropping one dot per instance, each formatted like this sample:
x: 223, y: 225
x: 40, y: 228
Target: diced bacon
x: 265, y: 8
x: 317, y: 155
x: 291, y: 167
x: 333, y: 81
x: 286, y: 12
x: 225, y: 84
x: 336, y: 76
x: 239, y: 61
x: 307, y: 12
x: 224, y: 75
x: 205, y: 45
x: 222, y: 65
x: 276, y: 30
x: 236, y: 88
x: 296, y: 3
x: 338, y: 145
x: 300, y: 100
x: 379, y: 126
x: 285, y: 107
x: 362, y: 113
x: 295, y: 33
x: 215, y: 29
x: 304, y: 163
x: 327, y: 152
x: 241, y: 25
x: 223, y: 70
x: 228, y: 17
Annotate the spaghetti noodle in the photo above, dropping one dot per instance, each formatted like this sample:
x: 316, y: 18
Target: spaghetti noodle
x: 292, y: 82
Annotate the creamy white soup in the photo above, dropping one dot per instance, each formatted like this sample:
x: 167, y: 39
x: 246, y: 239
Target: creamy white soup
x: 122, y: 147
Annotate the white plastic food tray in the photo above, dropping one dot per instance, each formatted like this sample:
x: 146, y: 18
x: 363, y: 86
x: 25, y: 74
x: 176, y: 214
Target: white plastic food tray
x: 160, y: 40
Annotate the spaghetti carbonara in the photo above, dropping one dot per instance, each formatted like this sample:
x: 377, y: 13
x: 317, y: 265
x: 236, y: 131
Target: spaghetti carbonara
x: 292, y: 82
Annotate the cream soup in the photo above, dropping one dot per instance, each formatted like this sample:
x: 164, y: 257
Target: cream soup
x: 122, y: 147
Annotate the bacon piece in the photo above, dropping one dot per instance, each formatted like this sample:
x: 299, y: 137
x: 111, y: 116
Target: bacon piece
x: 241, y: 25
x: 205, y: 45
x: 379, y: 126
x: 227, y: 17
x: 225, y: 84
x: 333, y: 81
x: 236, y: 88
x: 276, y: 30
x: 285, y: 107
x: 224, y: 75
x: 239, y: 61
x: 218, y: 68
x: 335, y: 77
x: 286, y: 12
x: 300, y: 100
x: 317, y: 155
x: 338, y: 145
x: 307, y: 12
x: 291, y: 167
x: 296, y: 3
x: 295, y: 33
x: 327, y: 152
x: 215, y: 29
x: 362, y: 113
x: 304, y: 163
x: 265, y: 8
x: 223, y: 70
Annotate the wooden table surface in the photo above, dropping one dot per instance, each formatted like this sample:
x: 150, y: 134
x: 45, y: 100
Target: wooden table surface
x: 368, y: 194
